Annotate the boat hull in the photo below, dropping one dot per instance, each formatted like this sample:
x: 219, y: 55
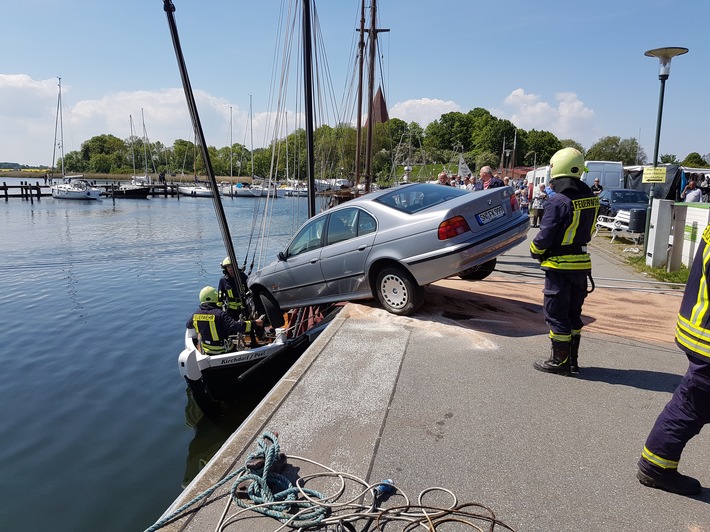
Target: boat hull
x: 130, y: 192
x: 196, y: 192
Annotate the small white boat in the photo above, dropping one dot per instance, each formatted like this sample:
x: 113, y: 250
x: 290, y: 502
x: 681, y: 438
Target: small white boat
x: 295, y: 191
x: 76, y: 188
x: 245, y: 190
x: 197, y: 191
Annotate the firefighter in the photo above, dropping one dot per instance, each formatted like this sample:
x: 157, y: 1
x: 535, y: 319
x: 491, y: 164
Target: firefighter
x: 561, y: 247
x: 213, y: 325
x: 689, y: 408
x: 228, y: 295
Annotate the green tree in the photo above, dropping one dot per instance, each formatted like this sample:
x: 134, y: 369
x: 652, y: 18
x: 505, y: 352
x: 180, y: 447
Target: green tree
x: 605, y: 149
x: 669, y: 158
x: 694, y: 160
x: 631, y: 153
x: 541, y: 146
x: 569, y: 143
x: 101, y: 163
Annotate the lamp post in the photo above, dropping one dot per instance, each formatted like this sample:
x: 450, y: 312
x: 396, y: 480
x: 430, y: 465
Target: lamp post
x: 664, y: 56
x: 507, y: 160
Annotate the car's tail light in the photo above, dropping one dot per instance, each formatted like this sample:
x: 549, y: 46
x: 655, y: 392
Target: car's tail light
x: 514, y: 203
x: 453, y: 227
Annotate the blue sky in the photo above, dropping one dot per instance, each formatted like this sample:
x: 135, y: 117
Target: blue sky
x: 576, y: 68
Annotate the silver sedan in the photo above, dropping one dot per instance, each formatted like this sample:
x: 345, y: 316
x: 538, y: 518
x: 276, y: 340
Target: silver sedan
x: 388, y: 245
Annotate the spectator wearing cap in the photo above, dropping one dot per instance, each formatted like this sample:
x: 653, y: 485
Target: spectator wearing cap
x: 596, y: 187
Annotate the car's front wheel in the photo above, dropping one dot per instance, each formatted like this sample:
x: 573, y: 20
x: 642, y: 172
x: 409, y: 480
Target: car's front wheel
x: 480, y: 272
x: 270, y: 308
x: 398, y: 292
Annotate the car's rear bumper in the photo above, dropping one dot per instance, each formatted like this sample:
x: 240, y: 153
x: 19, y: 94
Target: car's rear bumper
x: 454, y: 259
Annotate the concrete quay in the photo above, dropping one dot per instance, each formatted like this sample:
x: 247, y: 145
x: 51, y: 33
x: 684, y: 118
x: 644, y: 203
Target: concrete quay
x: 449, y: 398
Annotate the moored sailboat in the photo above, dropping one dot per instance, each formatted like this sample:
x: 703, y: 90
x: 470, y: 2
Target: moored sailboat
x: 73, y: 187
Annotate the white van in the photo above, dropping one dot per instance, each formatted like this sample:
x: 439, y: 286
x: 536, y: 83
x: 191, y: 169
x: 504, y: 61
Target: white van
x: 609, y: 173
x: 538, y: 175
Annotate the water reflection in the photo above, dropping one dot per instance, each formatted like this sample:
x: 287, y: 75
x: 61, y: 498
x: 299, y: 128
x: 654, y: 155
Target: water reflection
x: 212, y: 430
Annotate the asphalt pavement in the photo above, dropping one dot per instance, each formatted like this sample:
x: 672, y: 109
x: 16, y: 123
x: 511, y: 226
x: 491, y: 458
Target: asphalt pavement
x: 448, y: 399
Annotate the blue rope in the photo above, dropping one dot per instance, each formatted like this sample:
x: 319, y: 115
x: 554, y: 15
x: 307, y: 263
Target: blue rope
x: 264, y: 487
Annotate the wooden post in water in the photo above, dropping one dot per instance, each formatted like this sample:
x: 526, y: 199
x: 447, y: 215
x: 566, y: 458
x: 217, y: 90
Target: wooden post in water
x: 39, y: 191
x: 4, y: 187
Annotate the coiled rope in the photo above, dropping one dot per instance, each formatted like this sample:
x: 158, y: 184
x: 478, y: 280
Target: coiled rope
x: 270, y: 493
x: 260, y: 488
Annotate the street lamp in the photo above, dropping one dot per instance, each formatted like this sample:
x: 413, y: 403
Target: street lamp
x: 664, y: 56
x: 507, y: 160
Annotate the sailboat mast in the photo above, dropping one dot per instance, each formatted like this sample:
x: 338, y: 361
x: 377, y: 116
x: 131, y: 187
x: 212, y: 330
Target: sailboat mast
x: 361, y: 54
x: 308, y: 93
x: 231, y: 147
x: 370, y: 94
x: 197, y: 126
x: 133, y: 142
x: 56, y: 125
x: 145, y: 142
x: 61, y: 126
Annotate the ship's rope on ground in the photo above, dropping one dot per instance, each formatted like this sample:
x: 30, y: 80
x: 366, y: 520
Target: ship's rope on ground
x: 259, y: 486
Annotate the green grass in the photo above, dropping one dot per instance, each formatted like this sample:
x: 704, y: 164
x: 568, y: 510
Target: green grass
x: 678, y: 276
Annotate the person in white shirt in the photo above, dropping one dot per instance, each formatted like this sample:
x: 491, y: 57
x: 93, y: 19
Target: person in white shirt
x: 691, y: 193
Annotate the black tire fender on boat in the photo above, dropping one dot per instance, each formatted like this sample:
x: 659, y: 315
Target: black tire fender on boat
x: 480, y: 272
x: 398, y: 292
x: 271, y: 308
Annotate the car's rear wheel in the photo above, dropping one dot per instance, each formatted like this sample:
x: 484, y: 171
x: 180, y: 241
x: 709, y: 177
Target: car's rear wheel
x: 480, y: 272
x: 270, y: 307
x: 398, y: 292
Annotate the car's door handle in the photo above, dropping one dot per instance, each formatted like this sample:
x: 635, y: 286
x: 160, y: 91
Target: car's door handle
x: 362, y: 248
x: 313, y: 261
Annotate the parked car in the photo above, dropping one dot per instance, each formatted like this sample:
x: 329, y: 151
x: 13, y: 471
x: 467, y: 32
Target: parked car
x: 390, y: 243
x: 613, y: 201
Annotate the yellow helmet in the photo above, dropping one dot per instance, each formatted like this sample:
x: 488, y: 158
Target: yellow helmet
x: 226, y: 262
x: 208, y: 295
x: 567, y: 162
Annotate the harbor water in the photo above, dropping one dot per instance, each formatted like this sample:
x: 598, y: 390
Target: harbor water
x: 98, y: 431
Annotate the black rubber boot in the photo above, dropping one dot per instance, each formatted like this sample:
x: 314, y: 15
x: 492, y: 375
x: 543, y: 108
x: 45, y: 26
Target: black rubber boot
x: 559, y: 359
x: 667, y: 479
x: 574, y: 354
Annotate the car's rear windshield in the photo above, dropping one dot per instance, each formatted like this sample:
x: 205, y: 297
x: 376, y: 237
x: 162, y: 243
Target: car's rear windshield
x: 630, y: 196
x: 414, y: 198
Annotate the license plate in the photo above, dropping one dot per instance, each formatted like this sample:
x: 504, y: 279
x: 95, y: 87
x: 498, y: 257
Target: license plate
x: 490, y: 215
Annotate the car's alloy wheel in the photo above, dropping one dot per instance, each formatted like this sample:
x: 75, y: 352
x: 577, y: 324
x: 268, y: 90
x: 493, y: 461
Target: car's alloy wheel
x: 398, y: 292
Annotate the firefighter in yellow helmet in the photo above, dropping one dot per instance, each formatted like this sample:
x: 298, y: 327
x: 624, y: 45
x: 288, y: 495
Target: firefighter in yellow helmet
x: 228, y: 295
x: 213, y: 326
x: 561, y: 247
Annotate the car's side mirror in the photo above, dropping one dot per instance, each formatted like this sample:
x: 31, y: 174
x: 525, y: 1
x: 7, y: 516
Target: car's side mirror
x: 281, y: 256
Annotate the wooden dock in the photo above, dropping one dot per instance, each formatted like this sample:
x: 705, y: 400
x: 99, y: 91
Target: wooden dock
x: 30, y: 192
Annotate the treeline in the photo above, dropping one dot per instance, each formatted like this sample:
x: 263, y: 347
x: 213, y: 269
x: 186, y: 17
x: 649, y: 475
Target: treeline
x: 482, y: 138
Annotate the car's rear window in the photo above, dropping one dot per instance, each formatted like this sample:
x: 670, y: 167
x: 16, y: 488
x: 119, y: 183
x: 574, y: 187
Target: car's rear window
x: 630, y: 196
x: 414, y: 198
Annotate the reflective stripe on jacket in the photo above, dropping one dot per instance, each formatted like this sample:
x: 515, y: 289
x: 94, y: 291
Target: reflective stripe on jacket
x: 214, y: 326
x: 566, y: 227
x: 692, y: 333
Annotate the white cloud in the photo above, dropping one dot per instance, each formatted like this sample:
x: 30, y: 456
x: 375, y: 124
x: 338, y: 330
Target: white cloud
x: 422, y: 111
x: 568, y: 117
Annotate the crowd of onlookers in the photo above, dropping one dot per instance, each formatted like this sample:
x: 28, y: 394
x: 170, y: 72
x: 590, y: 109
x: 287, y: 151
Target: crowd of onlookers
x: 530, y: 199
